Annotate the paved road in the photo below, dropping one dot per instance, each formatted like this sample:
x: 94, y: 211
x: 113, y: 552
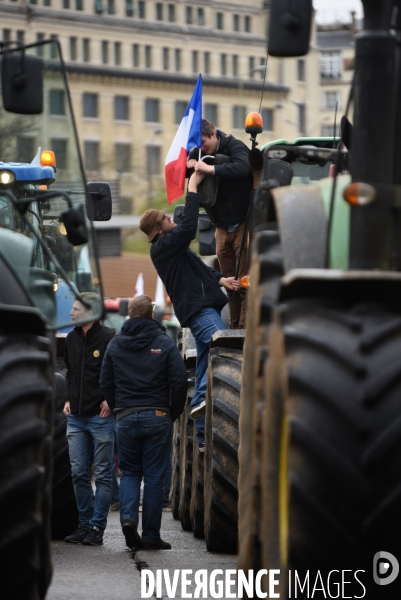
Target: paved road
x: 112, y: 572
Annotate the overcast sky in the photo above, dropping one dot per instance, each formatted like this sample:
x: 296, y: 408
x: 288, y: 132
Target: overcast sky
x: 329, y: 11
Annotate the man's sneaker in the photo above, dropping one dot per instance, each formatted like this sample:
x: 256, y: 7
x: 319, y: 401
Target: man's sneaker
x: 77, y: 536
x: 198, y: 411
x: 159, y: 545
x: 115, y: 505
x: 132, y: 537
x: 94, y: 538
x: 201, y: 447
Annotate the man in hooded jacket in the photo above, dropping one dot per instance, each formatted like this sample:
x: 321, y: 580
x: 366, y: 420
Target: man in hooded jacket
x: 144, y: 380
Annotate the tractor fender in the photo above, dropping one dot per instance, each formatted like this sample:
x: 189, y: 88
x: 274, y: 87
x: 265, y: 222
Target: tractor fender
x: 302, y: 225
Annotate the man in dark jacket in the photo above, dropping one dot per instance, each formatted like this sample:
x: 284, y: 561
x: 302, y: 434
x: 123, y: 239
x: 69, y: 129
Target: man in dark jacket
x: 230, y: 211
x: 144, y: 380
x: 90, y: 426
x: 193, y: 287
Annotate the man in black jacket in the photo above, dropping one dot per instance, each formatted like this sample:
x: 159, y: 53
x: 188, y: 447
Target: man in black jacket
x: 230, y: 211
x: 90, y: 426
x: 193, y: 287
x: 144, y: 380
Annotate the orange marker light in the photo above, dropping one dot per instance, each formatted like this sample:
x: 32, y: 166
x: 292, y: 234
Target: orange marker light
x: 42, y: 187
x: 254, y: 123
x: 244, y: 281
x: 48, y: 158
x: 359, y: 194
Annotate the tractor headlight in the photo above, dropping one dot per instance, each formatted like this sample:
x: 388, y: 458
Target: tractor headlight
x: 6, y: 177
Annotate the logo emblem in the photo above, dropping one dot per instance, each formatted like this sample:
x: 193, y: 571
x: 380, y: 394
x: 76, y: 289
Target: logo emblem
x: 385, y: 568
x: 96, y: 353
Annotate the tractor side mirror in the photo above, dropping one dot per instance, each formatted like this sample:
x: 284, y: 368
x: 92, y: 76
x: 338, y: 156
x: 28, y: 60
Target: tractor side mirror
x: 75, y: 225
x: 289, y: 27
x: 22, y: 83
x: 178, y: 211
x: 123, y: 308
x: 98, y: 201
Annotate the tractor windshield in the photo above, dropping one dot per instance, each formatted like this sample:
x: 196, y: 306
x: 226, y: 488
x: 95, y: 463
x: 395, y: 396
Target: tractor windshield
x: 37, y: 186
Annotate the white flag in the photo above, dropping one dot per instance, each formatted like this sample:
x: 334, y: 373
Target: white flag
x: 159, y: 296
x: 139, y: 288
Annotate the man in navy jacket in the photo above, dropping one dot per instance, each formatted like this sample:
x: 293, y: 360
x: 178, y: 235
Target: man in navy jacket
x: 144, y: 381
x: 194, y: 288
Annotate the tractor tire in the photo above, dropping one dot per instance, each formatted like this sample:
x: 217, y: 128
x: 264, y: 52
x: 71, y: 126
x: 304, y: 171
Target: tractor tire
x: 175, y: 484
x: 186, y: 449
x: 26, y: 419
x: 265, y: 274
x: 65, y: 516
x: 221, y: 450
x: 332, y: 439
x: 196, y: 507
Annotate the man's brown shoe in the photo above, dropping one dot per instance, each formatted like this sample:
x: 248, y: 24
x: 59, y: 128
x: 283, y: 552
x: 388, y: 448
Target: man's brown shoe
x: 132, y: 537
x: 159, y: 545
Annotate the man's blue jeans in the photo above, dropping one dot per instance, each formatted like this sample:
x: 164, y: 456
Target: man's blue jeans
x: 202, y: 327
x: 86, y: 435
x: 143, y: 451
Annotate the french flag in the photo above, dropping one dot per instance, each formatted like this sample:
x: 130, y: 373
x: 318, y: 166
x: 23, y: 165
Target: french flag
x: 189, y: 134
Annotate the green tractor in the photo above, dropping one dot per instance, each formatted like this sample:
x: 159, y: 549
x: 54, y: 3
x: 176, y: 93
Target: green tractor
x: 320, y: 442
x: 205, y: 486
x: 47, y: 257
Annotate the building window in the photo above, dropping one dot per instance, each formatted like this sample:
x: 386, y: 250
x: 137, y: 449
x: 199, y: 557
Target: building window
x: 110, y: 7
x: 152, y: 110
x: 73, y: 48
x: 201, y: 16
x: 247, y: 24
x: 33, y: 1
x: 171, y: 13
x: 135, y: 55
x: 141, y: 9
x: 6, y: 35
x: 177, y: 59
x: 59, y: 147
x: 57, y: 102
x: 166, y: 59
x: 153, y: 160
x: 262, y: 63
x: 99, y: 7
x: 66, y: 3
x: 235, y: 65
x: 121, y: 108
x: 179, y: 112
x: 219, y: 20
x: 159, y: 11
x: 21, y: 37
x: 54, y: 53
x: 90, y: 105
x: 223, y: 64
x: 117, y: 53
x: 46, y: 2
x: 79, y: 4
x: 40, y: 49
x: 123, y: 158
x: 188, y: 15
x: 26, y: 148
x: 91, y: 154
x: 236, y: 22
x: 195, y: 61
x: 251, y: 66
x: 86, y: 49
x: 328, y: 130
x: 207, y: 62
x: 330, y: 65
x: 302, y: 119
x: 330, y: 99
x: 301, y: 69
x: 211, y: 112
x: 267, y: 116
x: 105, y: 52
x: 238, y: 117
x: 129, y: 8
x: 148, y: 57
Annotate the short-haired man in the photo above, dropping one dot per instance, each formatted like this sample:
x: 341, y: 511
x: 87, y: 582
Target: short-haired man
x: 194, y: 288
x: 144, y: 380
x: 230, y: 211
x: 90, y: 426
